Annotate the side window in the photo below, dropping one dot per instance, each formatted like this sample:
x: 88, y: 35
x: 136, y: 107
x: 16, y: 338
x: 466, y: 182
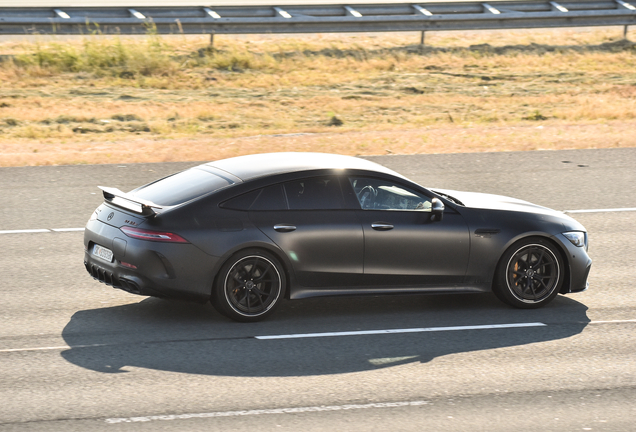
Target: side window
x: 241, y: 202
x: 315, y: 193
x: 270, y: 198
x: 378, y: 194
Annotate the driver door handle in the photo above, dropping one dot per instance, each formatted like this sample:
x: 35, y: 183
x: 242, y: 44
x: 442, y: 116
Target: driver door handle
x: 284, y: 228
x: 381, y: 226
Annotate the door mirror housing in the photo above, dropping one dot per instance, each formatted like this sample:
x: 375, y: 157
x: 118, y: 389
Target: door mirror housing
x: 437, y: 210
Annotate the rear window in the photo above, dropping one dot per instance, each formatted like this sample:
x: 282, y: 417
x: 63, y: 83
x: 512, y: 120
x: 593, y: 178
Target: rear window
x: 181, y: 187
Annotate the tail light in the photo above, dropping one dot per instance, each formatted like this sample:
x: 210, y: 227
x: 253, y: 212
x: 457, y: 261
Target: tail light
x: 158, y: 236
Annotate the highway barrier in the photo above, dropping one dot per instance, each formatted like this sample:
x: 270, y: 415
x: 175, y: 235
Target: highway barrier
x: 434, y: 16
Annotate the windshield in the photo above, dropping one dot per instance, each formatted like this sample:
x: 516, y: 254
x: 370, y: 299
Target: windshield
x: 450, y: 198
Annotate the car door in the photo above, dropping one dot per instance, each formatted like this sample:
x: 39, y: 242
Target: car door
x: 308, y: 220
x: 403, y: 244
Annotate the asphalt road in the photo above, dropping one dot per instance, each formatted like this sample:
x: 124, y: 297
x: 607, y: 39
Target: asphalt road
x: 76, y: 355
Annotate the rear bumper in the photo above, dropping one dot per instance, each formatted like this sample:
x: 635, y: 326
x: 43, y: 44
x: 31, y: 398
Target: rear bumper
x: 162, y: 269
x: 130, y: 283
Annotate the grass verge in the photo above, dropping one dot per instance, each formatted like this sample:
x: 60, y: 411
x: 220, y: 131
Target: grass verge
x: 112, y: 100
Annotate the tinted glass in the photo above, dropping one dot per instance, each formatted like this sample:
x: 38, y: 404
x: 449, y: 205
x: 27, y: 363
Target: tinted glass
x: 241, y: 202
x: 270, y: 198
x: 317, y: 193
x: 377, y: 194
x: 181, y: 187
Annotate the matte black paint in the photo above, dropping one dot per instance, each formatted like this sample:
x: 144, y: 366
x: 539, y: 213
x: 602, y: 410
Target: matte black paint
x: 417, y: 251
x: 325, y: 249
x: 330, y: 252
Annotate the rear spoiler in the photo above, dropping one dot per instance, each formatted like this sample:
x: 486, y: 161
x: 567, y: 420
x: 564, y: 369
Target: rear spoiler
x: 127, y: 201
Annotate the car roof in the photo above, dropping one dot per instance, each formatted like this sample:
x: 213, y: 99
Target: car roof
x: 265, y: 164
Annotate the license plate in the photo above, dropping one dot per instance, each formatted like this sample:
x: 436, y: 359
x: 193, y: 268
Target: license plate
x: 103, y: 253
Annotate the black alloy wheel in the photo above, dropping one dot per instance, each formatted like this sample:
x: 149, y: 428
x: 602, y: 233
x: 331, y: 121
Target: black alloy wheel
x: 530, y: 274
x: 249, y: 286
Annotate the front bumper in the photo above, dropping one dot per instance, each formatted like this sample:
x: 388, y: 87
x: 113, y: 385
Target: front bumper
x: 579, y: 266
x: 162, y: 269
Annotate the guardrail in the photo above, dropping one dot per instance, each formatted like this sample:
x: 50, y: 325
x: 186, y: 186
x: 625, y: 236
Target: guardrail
x: 422, y: 17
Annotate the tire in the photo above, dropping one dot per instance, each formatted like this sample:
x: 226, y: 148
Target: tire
x: 529, y: 274
x: 249, y: 286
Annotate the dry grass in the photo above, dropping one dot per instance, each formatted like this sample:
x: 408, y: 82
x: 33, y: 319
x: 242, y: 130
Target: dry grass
x: 439, y: 139
x: 111, y: 100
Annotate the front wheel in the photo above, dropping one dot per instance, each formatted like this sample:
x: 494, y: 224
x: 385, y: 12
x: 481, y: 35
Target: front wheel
x: 249, y: 286
x: 529, y: 274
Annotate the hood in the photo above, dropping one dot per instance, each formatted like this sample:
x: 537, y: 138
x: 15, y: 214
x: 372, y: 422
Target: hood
x: 496, y: 202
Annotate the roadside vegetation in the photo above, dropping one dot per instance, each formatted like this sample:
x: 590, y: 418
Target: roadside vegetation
x: 118, y: 99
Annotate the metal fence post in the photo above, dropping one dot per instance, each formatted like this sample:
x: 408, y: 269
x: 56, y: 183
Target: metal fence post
x: 422, y: 38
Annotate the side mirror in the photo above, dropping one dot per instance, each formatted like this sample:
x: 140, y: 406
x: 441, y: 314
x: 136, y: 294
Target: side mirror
x: 437, y: 210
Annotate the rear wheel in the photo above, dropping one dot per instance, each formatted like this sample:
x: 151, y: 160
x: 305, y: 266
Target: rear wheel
x: 249, y: 286
x: 529, y: 274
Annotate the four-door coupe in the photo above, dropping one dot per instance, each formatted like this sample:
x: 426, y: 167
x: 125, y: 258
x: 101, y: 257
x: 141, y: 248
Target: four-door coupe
x: 247, y: 232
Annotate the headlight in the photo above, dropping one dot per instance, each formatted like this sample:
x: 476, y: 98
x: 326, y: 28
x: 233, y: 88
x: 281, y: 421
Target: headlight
x: 577, y: 238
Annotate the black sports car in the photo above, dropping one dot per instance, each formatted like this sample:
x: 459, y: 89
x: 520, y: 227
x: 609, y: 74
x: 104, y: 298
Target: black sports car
x: 247, y: 232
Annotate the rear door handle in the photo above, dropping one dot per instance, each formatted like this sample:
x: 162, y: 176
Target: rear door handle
x: 284, y: 228
x: 381, y: 226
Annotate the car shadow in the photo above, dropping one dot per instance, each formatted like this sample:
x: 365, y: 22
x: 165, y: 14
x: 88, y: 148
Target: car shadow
x: 194, y: 339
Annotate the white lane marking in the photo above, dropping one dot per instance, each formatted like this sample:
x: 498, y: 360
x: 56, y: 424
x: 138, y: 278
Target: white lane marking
x: 298, y: 336
x: 393, y: 331
x: 42, y: 230
x: 45, y: 230
x: 495, y: 326
x: 24, y: 231
x: 614, y: 321
x: 35, y: 349
x: 601, y: 210
x: 266, y: 411
x: 50, y: 348
x: 389, y: 360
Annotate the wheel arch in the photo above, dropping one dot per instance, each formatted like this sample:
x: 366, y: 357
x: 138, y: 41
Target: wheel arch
x: 260, y: 246
x: 559, y: 247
